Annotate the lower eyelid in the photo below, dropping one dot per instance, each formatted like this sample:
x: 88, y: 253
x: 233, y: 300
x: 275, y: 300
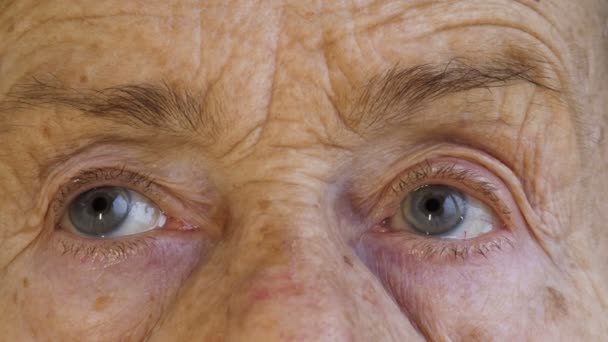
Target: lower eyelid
x: 409, y: 248
x: 104, y: 252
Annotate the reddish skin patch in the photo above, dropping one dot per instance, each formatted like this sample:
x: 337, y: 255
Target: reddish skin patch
x: 276, y: 285
x: 102, y: 302
x: 262, y: 294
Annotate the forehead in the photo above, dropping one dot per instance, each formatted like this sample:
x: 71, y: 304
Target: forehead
x: 193, y: 42
x: 276, y: 60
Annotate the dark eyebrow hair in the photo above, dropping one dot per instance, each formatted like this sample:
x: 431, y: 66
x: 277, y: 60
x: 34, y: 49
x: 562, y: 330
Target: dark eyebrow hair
x: 394, y: 94
x: 399, y: 92
x: 162, y: 106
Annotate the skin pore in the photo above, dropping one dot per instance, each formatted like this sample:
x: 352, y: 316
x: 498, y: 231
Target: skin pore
x: 279, y: 139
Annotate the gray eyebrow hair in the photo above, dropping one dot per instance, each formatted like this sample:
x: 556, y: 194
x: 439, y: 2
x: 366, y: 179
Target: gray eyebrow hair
x: 160, y: 106
x: 399, y: 92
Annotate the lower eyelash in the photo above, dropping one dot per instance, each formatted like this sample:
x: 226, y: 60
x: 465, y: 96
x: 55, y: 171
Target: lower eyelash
x: 463, y: 252
x: 407, y: 247
x: 106, y: 251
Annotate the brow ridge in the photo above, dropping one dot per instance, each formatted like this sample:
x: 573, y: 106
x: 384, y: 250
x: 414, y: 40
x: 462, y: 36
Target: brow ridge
x: 161, y: 106
x: 400, y: 92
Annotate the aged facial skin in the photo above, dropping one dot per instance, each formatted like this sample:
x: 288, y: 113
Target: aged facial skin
x: 303, y: 171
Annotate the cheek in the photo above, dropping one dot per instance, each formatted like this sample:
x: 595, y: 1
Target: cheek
x: 474, y: 297
x: 119, y: 289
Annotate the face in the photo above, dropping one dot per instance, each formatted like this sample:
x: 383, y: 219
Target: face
x: 290, y: 171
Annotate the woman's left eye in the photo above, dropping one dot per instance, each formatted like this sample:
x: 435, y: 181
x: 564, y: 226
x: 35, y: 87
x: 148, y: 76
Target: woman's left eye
x: 111, y: 211
x: 443, y: 211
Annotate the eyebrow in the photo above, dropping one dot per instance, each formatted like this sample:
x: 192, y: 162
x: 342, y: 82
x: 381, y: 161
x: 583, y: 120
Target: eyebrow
x: 163, y: 106
x: 394, y: 94
x: 399, y: 92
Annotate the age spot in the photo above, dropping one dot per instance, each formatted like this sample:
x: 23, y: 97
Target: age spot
x: 475, y: 334
x: 102, y: 302
x: 84, y: 79
x: 347, y: 261
x: 555, y: 304
x: 25, y: 283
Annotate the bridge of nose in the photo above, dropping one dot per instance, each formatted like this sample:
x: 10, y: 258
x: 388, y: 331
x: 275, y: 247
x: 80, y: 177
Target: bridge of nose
x: 283, y: 271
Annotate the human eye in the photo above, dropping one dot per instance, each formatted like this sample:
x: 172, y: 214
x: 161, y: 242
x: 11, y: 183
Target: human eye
x: 444, y: 207
x: 443, y: 211
x: 110, y: 212
x: 115, y: 204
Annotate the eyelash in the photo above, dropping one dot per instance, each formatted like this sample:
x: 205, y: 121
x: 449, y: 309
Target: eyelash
x: 88, y: 179
x: 428, y: 170
x: 466, y: 180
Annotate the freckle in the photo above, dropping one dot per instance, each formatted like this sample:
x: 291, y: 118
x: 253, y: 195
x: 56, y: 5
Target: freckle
x: 11, y: 28
x: 555, y: 304
x: 102, y: 302
x: 264, y: 204
x: 26, y: 283
x: 84, y: 79
x: 347, y: 261
x: 46, y: 131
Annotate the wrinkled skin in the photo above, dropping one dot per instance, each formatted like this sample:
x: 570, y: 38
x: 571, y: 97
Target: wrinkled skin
x: 275, y: 212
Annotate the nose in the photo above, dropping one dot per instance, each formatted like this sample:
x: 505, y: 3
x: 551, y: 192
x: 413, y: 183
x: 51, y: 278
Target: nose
x: 309, y: 288
x: 285, y: 273
x: 293, y: 283
x: 294, y: 302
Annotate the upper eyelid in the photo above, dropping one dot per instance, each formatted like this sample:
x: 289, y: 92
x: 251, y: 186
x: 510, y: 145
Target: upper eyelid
x: 88, y: 178
x: 189, y: 211
x: 451, y: 173
x: 447, y: 171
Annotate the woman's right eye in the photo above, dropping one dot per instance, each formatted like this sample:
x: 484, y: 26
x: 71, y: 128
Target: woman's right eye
x: 111, y: 211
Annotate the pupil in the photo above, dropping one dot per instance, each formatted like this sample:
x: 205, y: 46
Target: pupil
x: 100, y: 204
x: 432, y: 205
